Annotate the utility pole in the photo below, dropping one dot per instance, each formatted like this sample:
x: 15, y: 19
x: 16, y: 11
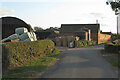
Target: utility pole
x: 116, y: 12
x: 117, y: 27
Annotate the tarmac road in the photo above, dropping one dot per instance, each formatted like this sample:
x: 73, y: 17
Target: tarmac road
x: 81, y: 63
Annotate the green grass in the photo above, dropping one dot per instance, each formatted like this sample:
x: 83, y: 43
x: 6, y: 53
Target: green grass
x: 111, y: 58
x: 31, y: 69
x: 97, y: 44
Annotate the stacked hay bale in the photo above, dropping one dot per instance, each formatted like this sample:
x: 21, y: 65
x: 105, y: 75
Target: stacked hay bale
x: 21, y: 34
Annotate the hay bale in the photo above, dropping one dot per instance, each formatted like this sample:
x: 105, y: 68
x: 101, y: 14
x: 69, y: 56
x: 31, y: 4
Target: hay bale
x: 29, y: 39
x: 21, y: 30
x: 13, y: 37
x: 25, y: 36
x: 33, y: 36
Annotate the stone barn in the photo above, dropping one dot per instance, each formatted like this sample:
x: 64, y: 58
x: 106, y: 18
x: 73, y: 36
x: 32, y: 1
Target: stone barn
x: 89, y: 32
x: 10, y: 23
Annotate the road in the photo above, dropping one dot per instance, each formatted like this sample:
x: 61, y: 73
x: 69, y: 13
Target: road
x: 81, y: 63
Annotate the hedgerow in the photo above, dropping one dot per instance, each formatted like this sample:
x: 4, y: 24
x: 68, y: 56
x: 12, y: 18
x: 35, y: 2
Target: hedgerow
x: 19, y: 53
x: 83, y: 43
x: 113, y: 47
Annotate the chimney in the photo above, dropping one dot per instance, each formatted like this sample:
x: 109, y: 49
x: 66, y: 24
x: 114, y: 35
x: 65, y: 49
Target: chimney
x: 97, y: 21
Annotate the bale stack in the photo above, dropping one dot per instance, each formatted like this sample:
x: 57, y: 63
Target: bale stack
x: 24, y: 35
x: 21, y: 34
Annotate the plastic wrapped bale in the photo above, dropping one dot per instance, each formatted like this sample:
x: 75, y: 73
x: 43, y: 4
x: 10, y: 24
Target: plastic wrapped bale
x: 21, y: 30
x: 33, y: 36
x: 3, y: 40
x: 25, y: 36
x: 14, y: 37
x: 11, y: 37
x: 29, y: 39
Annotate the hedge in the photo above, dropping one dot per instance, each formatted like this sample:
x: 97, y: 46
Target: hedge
x: 19, y: 53
x: 83, y: 43
x: 112, y: 48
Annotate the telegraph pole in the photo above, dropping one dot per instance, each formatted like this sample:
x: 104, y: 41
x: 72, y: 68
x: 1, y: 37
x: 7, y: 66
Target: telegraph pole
x: 117, y: 27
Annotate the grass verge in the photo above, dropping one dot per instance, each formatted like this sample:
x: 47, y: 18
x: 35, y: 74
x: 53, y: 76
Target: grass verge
x: 97, y: 44
x: 111, y: 58
x: 31, y: 69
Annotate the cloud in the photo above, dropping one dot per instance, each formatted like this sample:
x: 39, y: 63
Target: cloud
x: 100, y: 15
x: 48, y: 1
x: 71, y: 12
x: 6, y: 12
x: 79, y: 13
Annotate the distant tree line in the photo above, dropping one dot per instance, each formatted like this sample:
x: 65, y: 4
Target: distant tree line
x: 38, y: 28
x: 51, y: 28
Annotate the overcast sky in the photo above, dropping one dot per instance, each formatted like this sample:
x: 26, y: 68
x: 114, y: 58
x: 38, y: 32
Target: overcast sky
x: 53, y: 13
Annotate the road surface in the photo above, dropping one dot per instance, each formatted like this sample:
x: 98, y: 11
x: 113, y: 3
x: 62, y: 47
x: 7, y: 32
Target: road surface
x: 81, y: 63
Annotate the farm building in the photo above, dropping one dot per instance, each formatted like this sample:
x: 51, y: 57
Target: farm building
x: 89, y: 32
x: 47, y: 34
x: 9, y: 24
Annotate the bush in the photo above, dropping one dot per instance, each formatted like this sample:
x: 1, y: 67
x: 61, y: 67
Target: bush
x: 112, y: 48
x: 19, y: 53
x: 114, y: 37
x: 83, y: 43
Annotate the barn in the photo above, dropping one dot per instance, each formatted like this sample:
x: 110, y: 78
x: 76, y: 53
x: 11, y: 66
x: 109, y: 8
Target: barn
x: 10, y: 23
x: 89, y: 32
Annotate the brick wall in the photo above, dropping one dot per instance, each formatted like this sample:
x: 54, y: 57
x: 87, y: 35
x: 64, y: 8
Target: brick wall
x: 93, y: 36
x: 104, y: 38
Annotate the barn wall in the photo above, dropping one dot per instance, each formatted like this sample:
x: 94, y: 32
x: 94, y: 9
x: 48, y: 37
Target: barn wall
x: 104, y: 38
x: 69, y: 29
x: 94, y: 37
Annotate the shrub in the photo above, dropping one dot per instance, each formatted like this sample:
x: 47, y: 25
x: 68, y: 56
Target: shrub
x: 82, y: 43
x: 114, y: 37
x: 19, y: 53
x: 112, y: 48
